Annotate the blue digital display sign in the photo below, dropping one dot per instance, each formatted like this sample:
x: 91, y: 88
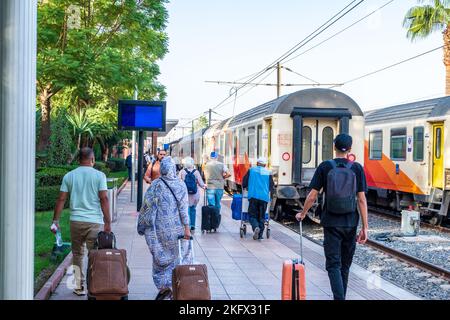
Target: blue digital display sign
x: 142, y: 115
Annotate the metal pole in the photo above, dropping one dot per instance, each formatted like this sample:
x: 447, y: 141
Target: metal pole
x: 140, y: 169
x: 133, y: 156
x: 18, y: 26
x: 210, y: 113
x: 278, y: 79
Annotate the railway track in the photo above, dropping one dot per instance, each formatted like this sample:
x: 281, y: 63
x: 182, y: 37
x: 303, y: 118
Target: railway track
x: 389, y: 214
x: 420, y: 264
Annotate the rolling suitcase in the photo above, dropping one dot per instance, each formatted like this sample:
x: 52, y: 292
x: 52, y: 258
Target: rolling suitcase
x: 190, y: 282
x: 108, y: 274
x: 210, y: 217
x: 293, y: 279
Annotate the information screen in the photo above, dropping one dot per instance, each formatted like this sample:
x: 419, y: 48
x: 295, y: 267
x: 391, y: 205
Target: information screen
x: 142, y: 115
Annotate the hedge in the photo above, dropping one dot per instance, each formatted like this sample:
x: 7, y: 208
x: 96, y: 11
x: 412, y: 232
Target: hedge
x: 101, y: 166
x: 116, y: 164
x: 49, y: 176
x: 46, y: 198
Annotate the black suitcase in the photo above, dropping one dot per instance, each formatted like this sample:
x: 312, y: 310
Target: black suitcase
x: 210, y: 217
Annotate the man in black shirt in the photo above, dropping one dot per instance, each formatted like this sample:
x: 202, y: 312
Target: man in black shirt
x: 339, y: 229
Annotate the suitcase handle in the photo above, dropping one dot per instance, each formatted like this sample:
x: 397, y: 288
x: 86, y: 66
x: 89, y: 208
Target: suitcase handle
x: 301, y: 242
x: 191, y: 245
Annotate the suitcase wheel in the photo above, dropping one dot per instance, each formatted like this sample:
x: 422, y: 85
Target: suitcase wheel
x: 245, y: 229
x: 241, y: 233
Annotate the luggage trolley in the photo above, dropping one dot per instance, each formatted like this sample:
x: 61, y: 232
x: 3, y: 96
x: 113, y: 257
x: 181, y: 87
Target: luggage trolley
x: 239, y: 209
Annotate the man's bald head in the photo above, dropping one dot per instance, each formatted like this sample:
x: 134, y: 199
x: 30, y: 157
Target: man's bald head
x: 86, y: 156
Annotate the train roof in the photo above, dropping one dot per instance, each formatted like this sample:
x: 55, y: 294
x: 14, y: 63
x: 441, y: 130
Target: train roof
x: 420, y: 109
x: 308, y: 98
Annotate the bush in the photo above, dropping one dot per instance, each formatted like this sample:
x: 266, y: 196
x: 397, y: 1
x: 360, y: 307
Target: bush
x: 46, y: 198
x: 59, y: 149
x: 116, y: 164
x: 49, y: 176
x: 101, y: 166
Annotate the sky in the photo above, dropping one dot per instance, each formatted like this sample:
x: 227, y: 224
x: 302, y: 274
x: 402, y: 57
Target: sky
x: 228, y: 40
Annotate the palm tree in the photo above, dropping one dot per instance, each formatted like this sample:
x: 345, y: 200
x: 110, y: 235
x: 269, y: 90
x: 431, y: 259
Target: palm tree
x: 81, y: 125
x: 425, y: 19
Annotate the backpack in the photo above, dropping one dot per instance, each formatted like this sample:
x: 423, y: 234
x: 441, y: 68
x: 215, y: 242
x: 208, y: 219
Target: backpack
x: 341, y: 188
x: 191, y: 181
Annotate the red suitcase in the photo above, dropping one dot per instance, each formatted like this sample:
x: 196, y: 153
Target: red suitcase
x: 293, y: 278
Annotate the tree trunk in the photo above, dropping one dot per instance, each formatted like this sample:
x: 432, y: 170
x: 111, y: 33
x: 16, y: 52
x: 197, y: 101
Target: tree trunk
x: 446, y: 34
x: 44, y: 135
x: 105, y: 149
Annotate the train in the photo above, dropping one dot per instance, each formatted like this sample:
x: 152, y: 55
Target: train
x: 294, y: 132
x: 405, y: 149
x: 407, y: 157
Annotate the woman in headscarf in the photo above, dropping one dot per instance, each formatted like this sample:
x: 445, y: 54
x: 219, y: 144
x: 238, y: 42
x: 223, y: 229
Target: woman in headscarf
x: 162, y: 219
x: 188, y: 163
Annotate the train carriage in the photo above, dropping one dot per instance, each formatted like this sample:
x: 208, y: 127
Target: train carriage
x: 407, y: 157
x: 295, y: 132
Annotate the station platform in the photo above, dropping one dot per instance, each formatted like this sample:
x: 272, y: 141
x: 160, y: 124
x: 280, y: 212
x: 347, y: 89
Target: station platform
x: 238, y: 269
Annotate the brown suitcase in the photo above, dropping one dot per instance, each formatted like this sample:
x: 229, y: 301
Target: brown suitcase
x: 108, y: 274
x: 190, y: 282
x: 293, y: 279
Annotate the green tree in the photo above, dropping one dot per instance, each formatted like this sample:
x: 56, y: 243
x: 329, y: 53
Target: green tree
x: 112, y: 44
x: 201, y: 123
x: 425, y: 19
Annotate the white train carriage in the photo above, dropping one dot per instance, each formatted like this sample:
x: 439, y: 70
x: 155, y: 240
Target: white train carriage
x: 294, y: 132
x: 407, y: 157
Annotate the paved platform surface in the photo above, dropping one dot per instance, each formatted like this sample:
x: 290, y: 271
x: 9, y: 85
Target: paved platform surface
x: 239, y: 269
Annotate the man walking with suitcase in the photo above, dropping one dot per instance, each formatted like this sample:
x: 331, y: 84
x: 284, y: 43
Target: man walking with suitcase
x: 89, y: 210
x: 344, y: 185
x: 259, y: 182
x: 215, y: 174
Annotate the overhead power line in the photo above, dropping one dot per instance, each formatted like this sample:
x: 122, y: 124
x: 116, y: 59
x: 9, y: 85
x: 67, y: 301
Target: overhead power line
x: 274, y: 84
x: 338, y: 33
x: 299, y: 45
x: 390, y: 66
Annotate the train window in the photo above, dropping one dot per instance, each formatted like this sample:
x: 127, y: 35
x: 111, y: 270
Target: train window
x: 242, y: 142
x: 259, y: 142
x: 251, y: 142
x: 418, y: 144
x: 307, y: 144
x: 327, y: 143
x: 376, y: 145
x: 398, y: 144
x: 438, y: 143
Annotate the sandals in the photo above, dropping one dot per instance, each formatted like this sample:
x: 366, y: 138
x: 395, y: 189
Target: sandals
x: 164, y: 294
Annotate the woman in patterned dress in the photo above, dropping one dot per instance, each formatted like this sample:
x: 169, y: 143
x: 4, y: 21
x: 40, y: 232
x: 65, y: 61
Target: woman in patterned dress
x: 162, y: 220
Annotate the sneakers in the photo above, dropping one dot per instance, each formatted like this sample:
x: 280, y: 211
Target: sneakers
x: 256, y: 234
x: 79, y: 291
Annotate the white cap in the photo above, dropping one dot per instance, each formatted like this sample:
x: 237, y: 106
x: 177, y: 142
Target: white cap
x: 262, y: 160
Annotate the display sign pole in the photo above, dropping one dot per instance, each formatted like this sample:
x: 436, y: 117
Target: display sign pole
x: 133, y: 156
x: 140, y: 170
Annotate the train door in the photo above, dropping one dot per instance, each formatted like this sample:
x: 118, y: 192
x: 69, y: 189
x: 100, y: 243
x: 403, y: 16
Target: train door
x: 317, y: 136
x: 438, y: 155
x: 268, y: 136
x: 326, y: 131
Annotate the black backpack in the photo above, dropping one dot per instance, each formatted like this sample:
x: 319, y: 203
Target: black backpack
x: 191, y: 181
x: 341, y: 188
